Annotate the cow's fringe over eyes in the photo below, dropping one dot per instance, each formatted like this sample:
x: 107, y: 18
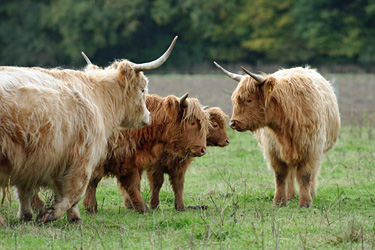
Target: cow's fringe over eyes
x: 194, y: 111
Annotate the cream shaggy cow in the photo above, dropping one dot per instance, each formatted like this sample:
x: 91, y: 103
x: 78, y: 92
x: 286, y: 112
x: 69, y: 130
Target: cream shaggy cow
x: 55, y: 123
x: 295, y: 117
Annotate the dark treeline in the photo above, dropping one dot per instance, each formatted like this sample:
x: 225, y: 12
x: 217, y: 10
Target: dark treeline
x: 289, y: 32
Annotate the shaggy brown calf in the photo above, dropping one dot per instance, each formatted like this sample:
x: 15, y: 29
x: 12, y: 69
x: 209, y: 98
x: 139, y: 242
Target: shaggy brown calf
x: 178, y: 127
x: 55, y: 125
x: 175, y: 166
x: 295, y: 117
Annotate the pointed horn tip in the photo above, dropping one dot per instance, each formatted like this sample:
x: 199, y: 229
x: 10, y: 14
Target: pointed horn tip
x: 86, y: 58
x: 185, y: 96
x: 256, y: 77
x: 234, y: 76
x: 245, y: 70
x: 183, y: 101
x: 158, y: 62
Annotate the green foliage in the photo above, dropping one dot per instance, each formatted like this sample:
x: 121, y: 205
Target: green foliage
x: 337, y: 30
x: 53, y: 32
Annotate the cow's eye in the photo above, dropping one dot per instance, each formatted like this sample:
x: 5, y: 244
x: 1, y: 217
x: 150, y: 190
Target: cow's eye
x: 143, y: 90
x: 248, y: 100
x: 192, y: 123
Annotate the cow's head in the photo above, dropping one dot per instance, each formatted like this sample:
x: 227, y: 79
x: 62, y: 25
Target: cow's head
x: 250, y: 100
x: 189, y: 131
x: 217, y: 132
x: 134, y: 84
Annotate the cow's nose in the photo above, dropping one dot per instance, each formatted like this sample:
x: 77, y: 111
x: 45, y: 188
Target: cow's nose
x: 227, y: 141
x: 233, y: 124
x: 203, y: 151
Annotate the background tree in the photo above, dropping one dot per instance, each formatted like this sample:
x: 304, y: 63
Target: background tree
x: 289, y: 32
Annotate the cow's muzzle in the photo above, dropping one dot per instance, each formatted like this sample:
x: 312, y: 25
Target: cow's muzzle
x: 198, y: 151
x: 236, y: 125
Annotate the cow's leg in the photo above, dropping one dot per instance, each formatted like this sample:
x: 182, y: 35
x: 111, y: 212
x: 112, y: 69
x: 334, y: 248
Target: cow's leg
x: 4, y: 195
x: 24, y: 195
x: 291, y: 193
x: 304, y: 178
x: 36, y: 202
x: 90, y: 203
x: 177, y: 179
x: 156, y: 180
x: 314, y: 183
x: 72, y: 190
x: 131, y: 184
x: 281, y: 174
x: 125, y: 196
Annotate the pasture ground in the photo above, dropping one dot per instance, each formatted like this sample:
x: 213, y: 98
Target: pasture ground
x: 238, y: 188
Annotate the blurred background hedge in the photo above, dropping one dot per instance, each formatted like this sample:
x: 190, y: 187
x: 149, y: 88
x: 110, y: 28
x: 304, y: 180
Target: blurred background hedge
x: 52, y: 33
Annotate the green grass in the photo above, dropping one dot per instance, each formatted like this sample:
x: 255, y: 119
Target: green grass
x: 238, y: 188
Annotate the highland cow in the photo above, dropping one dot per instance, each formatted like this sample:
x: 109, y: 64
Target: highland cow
x: 294, y: 115
x: 179, y: 127
x: 175, y: 166
x: 55, y: 125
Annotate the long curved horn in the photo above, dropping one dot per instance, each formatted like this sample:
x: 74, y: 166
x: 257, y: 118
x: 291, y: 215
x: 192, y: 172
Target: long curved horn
x: 156, y: 63
x: 234, y: 76
x: 258, y: 78
x: 86, y: 58
x: 183, y: 101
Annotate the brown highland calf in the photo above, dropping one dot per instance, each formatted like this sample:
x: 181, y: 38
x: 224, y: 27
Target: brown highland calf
x: 295, y: 117
x: 179, y: 127
x: 175, y: 166
x: 55, y: 125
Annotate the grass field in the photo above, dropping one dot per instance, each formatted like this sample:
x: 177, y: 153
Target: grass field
x: 236, y: 185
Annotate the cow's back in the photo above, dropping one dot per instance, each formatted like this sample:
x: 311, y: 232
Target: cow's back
x: 311, y: 112
x: 42, y: 120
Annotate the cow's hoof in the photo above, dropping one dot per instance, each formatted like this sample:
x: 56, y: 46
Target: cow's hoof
x: 154, y: 206
x: 279, y: 203
x: 128, y: 204
x: 26, y: 217
x: 44, y: 217
x: 76, y: 220
x: 142, y: 209
x: 92, y: 210
x: 307, y: 205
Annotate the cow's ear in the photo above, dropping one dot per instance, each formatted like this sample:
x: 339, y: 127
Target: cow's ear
x: 172, y: 106
x: 269, y: 89
x: 269, y: 85
x: 125, y: 71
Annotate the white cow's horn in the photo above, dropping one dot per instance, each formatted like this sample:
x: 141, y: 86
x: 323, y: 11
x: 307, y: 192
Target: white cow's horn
x: 234, y: 76
x: 156, y: 63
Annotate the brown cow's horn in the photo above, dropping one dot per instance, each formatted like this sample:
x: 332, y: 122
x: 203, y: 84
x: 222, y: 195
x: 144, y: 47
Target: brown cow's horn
x: 205, y: 107
x: 183, y: 101
x: 258, y: 78
x: 86, y: 58
x: 235, y: 77
x: 156, y: 63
